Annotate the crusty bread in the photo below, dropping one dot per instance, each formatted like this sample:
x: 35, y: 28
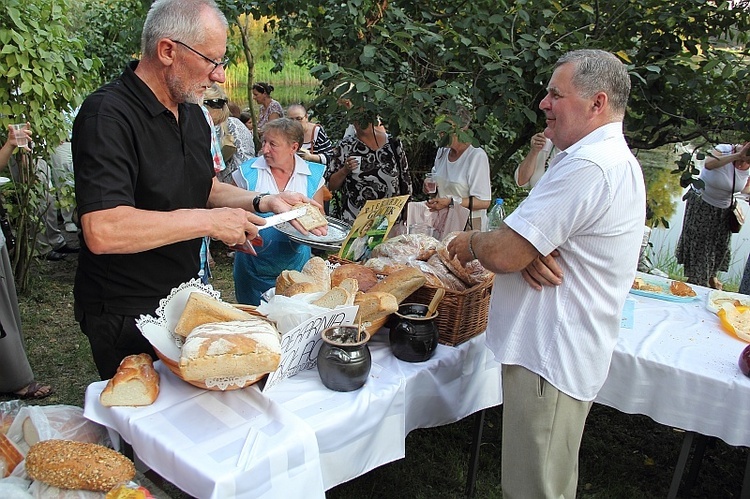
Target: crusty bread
x: 293, y: 282
x: 135, y: 383
x: 679, y: 288
x: 201, y: 309
x: 9, y: 455
x: 366, y: 277
x: 313, y: 218
x: 401, y: 283
x: 317, y: 268
x: 78, y: 465
x: 374, y: 305
x: 230, y: 349
x: 333, y: 298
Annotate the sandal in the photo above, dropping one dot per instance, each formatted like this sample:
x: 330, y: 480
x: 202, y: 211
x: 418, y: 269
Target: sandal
x: 34, y: 391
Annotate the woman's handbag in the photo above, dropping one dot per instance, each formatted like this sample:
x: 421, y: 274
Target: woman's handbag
x: 735, y: 215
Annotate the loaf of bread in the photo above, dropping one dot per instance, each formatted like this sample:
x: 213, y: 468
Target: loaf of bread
x: 231, y: 350
x: 201, y: 309
x: 135, y: 383
x: 401, y: 283
x: 10, y: 456
x: 374, y: 305
x: 293, y: 282
x: 419, y: 246
x: 78, y: 465
x: 313, y: 218
x: 366, y: 277
x: 449, y: 280
x: 471, y: 274
x: 317, y: 268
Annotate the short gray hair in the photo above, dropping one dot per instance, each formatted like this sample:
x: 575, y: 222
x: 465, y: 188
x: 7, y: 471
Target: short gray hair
x: 600, y: 71
x: 178, y: 20
x: 289, y: 128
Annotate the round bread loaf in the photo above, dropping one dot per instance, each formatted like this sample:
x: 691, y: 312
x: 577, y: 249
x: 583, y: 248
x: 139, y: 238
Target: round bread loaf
x: 365, y: 277
x: 78, y: 465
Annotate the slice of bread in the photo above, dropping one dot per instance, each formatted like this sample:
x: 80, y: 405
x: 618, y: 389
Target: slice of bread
x: 350, y: 284
x: 313, y: 218
x: 201, y: 308
x: 374, y: 306
x: 287, y: 278
x: 334, y: 298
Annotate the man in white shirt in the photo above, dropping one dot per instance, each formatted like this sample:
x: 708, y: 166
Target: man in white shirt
x: 555, y: 338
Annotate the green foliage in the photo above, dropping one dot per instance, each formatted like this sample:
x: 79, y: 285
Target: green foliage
x: 112, y: 32
x: 413, y: 62
x: 45, y: 78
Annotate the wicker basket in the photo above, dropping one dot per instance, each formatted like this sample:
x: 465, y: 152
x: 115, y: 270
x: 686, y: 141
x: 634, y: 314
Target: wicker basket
x: 175, y: 368
x: 462, y: 314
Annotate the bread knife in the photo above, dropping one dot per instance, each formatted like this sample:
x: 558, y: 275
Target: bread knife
x: 283, y: 217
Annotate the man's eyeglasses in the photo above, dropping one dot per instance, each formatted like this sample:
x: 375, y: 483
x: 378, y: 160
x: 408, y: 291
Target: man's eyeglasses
x: 215, y: 103
x: 223, y: 63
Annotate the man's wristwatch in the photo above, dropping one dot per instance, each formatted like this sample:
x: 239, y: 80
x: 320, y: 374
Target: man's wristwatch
x: 455, y: 200
x: 256, y: 201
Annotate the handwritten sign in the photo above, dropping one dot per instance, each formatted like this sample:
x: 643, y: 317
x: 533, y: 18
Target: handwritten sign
x: 299, y: 347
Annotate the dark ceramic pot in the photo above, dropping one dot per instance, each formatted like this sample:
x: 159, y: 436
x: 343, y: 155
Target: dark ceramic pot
x: 344, y: 360
x: 413, y: 336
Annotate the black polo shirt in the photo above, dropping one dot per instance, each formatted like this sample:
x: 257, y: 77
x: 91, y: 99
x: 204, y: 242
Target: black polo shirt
x: 129, y: 150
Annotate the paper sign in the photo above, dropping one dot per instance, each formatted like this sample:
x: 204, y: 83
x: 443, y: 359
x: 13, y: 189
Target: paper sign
x: 372, y: 225
x: 299, y: 347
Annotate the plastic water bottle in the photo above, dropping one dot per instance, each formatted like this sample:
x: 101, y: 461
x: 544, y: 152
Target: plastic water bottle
x: 496, y: 215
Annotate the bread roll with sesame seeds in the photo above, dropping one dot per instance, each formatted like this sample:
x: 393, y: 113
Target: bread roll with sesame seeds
x: 78, y: 465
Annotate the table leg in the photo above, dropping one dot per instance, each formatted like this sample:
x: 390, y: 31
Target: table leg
x: 695, y: 463
x: 745, y: 494
x: 476, y: 442
x: 687, y: 443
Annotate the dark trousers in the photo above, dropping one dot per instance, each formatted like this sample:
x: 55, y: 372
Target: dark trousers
x: 112, y: 338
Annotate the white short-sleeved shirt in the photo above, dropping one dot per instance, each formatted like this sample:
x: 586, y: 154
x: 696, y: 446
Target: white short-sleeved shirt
x: 468, y: 176
x: 591, y: 206
x: 718, y: 182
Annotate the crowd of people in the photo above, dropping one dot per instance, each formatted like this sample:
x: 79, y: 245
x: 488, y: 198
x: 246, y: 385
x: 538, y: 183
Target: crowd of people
x: 163, y: 153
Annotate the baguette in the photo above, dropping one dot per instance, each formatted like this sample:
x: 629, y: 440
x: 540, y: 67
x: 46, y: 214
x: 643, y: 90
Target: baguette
x: 135, y: 383
x: 374, y: 305
x: 78, y: 465
x: 401, y: 283
x: 201, y: 309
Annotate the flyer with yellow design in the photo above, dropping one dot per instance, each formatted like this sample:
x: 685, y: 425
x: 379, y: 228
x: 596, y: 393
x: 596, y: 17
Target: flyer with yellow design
x: 371, y: 227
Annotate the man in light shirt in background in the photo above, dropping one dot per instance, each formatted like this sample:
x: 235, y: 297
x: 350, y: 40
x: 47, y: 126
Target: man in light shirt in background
x: 555, y: 338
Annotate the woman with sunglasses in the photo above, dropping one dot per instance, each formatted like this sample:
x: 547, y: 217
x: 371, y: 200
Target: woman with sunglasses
x: 278, y: 169
x: 270, y: 109
x: 317, y: 144
x: 236, y: 140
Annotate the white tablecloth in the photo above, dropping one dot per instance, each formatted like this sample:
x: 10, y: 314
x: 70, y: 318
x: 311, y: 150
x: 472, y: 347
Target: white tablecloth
x: 679, y: 367
x: 309, y: 438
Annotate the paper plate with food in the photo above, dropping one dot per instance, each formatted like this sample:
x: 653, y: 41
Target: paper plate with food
x: 735, y: 320
x: 716, y: 299
x: 676, y: 291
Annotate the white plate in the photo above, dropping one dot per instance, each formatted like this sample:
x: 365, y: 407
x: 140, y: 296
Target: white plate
x: 337, y: 232
x: 715, y: 299
x: 4, y: 180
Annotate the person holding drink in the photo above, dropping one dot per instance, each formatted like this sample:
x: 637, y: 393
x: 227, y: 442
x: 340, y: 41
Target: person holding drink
x: 462, y: 174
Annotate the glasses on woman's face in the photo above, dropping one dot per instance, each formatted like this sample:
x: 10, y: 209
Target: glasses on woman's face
x: 215, y: 103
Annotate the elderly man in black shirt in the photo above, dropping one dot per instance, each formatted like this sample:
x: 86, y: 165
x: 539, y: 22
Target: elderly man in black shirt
x: 145, y: 185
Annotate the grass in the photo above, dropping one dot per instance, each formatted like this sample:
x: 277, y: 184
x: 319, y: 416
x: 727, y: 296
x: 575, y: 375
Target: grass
x: 622, y: 455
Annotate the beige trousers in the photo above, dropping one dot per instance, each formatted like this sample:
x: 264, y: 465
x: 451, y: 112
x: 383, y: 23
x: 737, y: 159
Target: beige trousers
x: 542, y: 430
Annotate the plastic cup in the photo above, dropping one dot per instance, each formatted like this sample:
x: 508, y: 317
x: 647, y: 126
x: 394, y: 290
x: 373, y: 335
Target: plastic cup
x: 430, y: 184
x: 358, y: 159
x: 18, y: 132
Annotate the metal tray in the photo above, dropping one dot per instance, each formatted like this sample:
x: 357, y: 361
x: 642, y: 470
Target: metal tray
x: 337, y: 232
